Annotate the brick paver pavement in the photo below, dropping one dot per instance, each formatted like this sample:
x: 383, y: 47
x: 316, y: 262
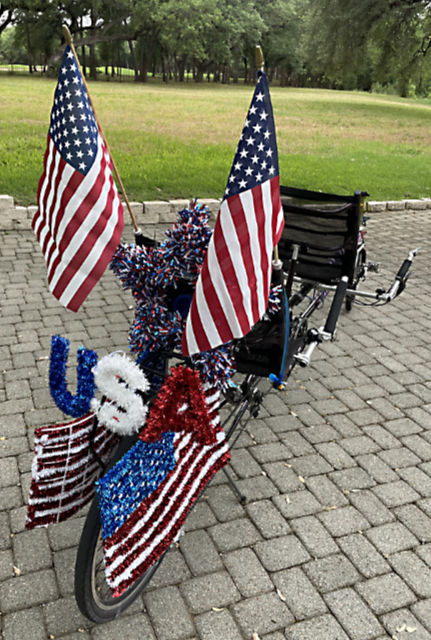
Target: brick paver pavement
x: 335, y: 541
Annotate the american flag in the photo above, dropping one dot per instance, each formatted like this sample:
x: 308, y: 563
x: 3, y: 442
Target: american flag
x: 64, y: 470
x: 233, y: 287
x: 140, y: 520
x: 80, y: 216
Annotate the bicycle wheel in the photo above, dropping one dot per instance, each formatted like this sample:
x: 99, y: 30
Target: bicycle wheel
x: 92, y: 592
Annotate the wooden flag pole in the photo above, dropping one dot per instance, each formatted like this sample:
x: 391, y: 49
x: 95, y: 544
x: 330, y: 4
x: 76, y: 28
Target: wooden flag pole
x: 68, y: 38
x: 260, y: 65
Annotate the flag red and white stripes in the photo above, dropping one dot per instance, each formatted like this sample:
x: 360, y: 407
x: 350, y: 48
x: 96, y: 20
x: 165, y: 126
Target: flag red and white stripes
x: 79, y: 220
x: 64, y: 470
x: 233, y: 287
x: 151, y: 528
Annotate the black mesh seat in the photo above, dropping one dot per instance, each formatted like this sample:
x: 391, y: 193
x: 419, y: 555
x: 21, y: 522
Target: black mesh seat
x: 326, y: 227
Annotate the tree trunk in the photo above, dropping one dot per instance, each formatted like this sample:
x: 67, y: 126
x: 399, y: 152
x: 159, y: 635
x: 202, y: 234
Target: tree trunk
x: 134, y: 61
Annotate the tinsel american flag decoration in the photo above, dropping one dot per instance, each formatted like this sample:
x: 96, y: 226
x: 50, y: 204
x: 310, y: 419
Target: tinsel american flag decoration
x: 233, y: 287
x: 80, y: 216
x: 139, y: 526
x: 64, y: 469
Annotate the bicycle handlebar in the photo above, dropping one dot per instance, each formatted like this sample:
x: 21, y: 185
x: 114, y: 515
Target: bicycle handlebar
x: 400, y: 279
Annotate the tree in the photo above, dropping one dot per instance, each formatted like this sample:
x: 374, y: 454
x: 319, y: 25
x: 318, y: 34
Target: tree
x: 384, y: 39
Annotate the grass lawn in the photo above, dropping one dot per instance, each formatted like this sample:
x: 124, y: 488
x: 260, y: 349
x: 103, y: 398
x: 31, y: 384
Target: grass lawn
x: 178, y: 141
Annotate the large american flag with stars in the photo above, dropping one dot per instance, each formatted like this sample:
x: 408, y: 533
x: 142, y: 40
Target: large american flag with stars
x: 233, y: 287
x: 80, y: 216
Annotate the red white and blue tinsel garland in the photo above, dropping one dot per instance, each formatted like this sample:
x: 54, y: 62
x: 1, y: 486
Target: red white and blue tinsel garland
x: 161, y: 280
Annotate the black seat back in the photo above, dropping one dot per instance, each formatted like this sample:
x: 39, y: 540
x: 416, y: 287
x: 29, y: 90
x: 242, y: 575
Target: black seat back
x: 326, y: 227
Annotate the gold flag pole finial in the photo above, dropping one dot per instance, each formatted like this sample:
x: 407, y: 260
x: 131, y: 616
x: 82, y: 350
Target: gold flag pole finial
x: 258, y: 56
x: 67, y: 35
x: 69, y: 41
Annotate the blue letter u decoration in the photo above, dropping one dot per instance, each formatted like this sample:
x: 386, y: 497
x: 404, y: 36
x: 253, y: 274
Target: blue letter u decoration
x: 74, y: 405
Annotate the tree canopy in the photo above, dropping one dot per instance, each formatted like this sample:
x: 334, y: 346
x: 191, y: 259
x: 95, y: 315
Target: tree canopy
x: 329, y: 43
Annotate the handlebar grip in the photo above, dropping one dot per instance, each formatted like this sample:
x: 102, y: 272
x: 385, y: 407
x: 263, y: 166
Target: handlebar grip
x: 402, y: 272
x: 334, y: 311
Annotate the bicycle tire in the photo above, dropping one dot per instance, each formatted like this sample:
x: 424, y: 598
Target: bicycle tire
x: 92, y: 593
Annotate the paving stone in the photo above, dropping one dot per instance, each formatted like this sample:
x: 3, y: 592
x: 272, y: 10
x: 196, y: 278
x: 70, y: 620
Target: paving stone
x: 326, y: 492
x: 386, y: 593
x: 413, y: 571
x: 244, y: 464
x: 400, y: 457
x: 417, y: 479
x: 261, y: 433
x: 211, y: 590
x: 271, y: 452
x: 376, y: 468
x: 170, y: 623
x: 325, y: 626
x: 314, y: 536
x: 281, y: 553
x: 424, y: 552
x: 200, y: 516
x: 132, y: 627
x: 301, y: 596
x: 371, y: 507
x: 24, y: 545
x: 216, y: 625
x: 262, y: 614
x: 331, y: 572
x: 297, y: 444
x: 28, y: 590
x: 402, y: 427
x: 352, y: 479
x: 344, y: 425
x: 418, y: 445
x: 391, y: 537
x: 353, y: 614
x: 234, y: 534
x: 223, y: 502
x: 335, y: 455
x: 65, y: 534
x: 200, y: 552
x: 415, y: 520
x: 350, y: 399
x: 267, y: 519
x: 363, y: 555
x: 359, y: 445
x: 297, y: 504
x: 394, y: 494
x: 343, y: 521
x: 172, y: 571
x: 247, y: 572
x: 9, y: 473
x: 283, y: 476
x: 422, y: 610
x: 311, y: 465
x: 382, y: 437
x: 63, y: 616
x: 27, y: 623
x: 318, y: 434
x: 257, y: 488
x: 402, y: 624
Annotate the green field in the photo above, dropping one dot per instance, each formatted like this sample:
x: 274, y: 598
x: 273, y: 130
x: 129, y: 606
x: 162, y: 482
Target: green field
x: 178, y: 141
